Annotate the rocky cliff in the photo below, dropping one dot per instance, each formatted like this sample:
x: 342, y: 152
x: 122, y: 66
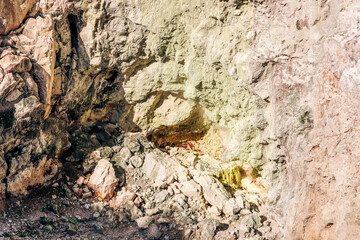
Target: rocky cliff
x: 264, y: 93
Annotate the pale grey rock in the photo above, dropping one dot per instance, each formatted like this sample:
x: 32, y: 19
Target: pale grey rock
x: 191, y: 189
x: 156, y: 167
x: 161, y: 196
x: 136, y: 161
x: 231, y: 207
x: 153, y: 232
x: 135, y: 212
x: 122, y: 198
x: 214, y: 191
x: 132, y: 144
x: 144, y: 222
x: 122, y: 157
x: 207, y: 228
x: 15, y: 64
x: 252, y: 221
x: 214, y: 211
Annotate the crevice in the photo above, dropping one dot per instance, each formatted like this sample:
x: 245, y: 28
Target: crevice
x: 74, y: 31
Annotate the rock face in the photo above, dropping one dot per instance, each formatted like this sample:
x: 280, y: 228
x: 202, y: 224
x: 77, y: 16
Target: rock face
x: 308, y: 50
x: 272, y: 85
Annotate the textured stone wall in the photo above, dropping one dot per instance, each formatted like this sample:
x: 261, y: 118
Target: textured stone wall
x: 271, y: 85
x: 312, y: 49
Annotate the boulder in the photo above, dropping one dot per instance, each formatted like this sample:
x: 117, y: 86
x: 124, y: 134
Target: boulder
x: 214, y: 192
x: 103, y: 180
x: 158, y: 166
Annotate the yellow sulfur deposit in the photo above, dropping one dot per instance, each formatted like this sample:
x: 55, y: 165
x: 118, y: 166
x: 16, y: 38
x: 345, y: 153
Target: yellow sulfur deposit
x: 231, y: 177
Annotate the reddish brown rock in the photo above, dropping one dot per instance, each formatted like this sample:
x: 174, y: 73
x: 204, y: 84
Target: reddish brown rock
x: 103, y: 180
x: 12, y: 13
x: 15, y: 64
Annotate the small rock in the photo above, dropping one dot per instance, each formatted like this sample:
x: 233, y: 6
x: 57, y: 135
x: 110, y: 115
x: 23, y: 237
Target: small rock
x: 116, y: 149
x: 71, y: 229
x: 159, y: 184
x: 99, y: 228
x: 98, y: 206
x: 144, y: 222
x: 151, y: 212
x: 177, y: 207
x: 111, y: 217
x: 191, y: 189
x: 122, y: 157
x: 105, y: 152
x: 138, y: 201
x: 86, y: 189
x: 122, y: 198
x: 80, y: 181
x: 181, y: 199
x: 208, y: 228
x: 153, y: 232
x: 15, y: 64
x: 157, y: 167
x: 244, y: 212
x: 187, y: 234
x: 214, y: 211
x: 136, y: 161
x: 175, y: 188
x: 77, y: 191
x: 170, y: 191
x: 48, y: 228
x: 239, y: 199
x: 132, y: 143
x: 252, y: 221
x: 87, y: 195
x: 163, y: 220
x: 134, y: 211
x: 96, y: 214
x: 214, y: 192
x: 231, y: 207
x: 161, y: 196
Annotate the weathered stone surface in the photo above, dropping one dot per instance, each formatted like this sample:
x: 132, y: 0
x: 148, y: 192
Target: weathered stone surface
x: 274, y: 82
x: 12, y: 13
x: 214, y: 191
x: 208, y: 228
x: 308, y: 51
x: 191, y: 189
x: 153, y: 232
x: 144, y: 222
x: 15, y: 64
x: 31, y: 176
x: 121, y: 198
x: 103, y: 179
x: 159, y: 167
